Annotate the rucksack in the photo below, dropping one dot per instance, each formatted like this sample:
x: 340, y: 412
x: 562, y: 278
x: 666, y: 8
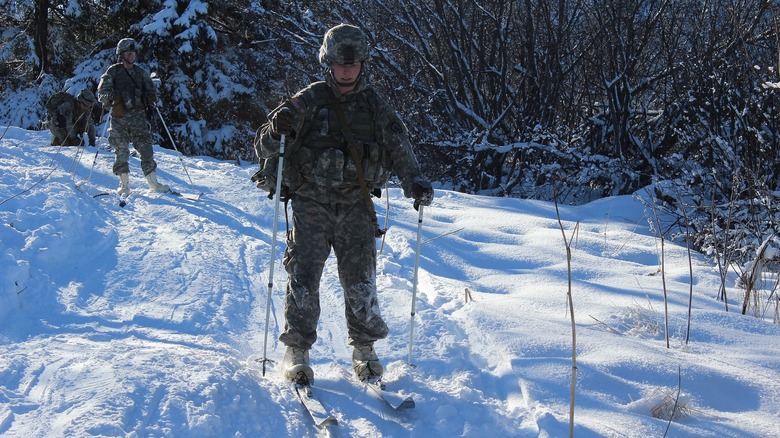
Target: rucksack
x: 56, y: 100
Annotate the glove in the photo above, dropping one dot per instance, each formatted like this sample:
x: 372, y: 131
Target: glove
x: 265, y: 178
x: 422, y: 192
x: 151, y: 99
x: 107, y: 101
x: 282, y: 122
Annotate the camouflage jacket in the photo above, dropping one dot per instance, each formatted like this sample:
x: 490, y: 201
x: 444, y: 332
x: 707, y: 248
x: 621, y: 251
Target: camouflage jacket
x: 317, y: 161
x: 126, y: 90
x: 69, y: 117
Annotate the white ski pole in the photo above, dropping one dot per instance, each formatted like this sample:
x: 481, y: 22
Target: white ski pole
x: 165, y: 125
x: 280, y: 164
x: 80, y: 147
x: 97, y: 149
x: 414, y: 281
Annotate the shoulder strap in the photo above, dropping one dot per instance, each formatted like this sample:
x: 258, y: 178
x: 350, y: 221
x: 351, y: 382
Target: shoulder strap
x: 133, y: 79
x: 353, y: 150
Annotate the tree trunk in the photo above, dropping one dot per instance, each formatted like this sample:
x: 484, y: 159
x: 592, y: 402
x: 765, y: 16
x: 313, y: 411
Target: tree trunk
x: 41, y: 37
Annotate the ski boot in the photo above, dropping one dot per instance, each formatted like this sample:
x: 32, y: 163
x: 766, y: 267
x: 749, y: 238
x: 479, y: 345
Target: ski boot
x: 365, y: 363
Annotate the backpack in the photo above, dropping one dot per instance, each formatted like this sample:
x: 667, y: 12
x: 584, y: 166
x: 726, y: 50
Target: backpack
x: 56, y: 100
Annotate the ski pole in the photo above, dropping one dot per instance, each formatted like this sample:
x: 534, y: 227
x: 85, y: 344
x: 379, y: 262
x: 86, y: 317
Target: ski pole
x: 273, y: 247
x: 79, y: 151
x: 94, y: 160
x: 414, y: 281
x: 387, y: 218
x: 174, y: 144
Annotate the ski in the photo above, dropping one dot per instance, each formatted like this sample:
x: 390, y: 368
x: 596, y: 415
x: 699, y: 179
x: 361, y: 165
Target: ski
x: 394, y: 399
x: 189, y: 196
x: 124, y: 197
x: 80, y: 187
x: 321, y: 416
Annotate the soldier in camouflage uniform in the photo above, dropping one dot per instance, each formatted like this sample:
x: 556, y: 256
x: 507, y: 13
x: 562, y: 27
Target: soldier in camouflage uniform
x: 127, y: 90
x: 71, y: 119
x: 329, y: 209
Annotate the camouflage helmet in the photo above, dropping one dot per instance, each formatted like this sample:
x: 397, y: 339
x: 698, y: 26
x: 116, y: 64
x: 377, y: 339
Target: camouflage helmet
x: 344, y: 44
x: 86, y: 97
x: 127, y: 45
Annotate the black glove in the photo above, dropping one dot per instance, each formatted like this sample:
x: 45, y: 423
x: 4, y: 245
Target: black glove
x: 422, y: 192
x: 282, y: 122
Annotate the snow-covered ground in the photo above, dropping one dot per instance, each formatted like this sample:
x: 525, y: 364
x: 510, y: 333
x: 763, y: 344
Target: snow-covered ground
x: 148, y: 320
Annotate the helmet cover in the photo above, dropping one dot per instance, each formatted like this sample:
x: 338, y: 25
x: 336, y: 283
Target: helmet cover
x: 86, y: 97
x: 127, y: 45
x: 344, y: 44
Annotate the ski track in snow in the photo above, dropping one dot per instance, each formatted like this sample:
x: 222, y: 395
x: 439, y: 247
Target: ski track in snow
x: 148, y: 320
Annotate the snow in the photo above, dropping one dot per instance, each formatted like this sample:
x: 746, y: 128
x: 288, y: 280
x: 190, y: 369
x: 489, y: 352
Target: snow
x: 161, y: 22
x: 148, y: 320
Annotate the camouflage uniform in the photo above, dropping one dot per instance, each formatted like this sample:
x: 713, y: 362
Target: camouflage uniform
x: 130, y: 92
x: 328, y: 210
x: 69, y: 121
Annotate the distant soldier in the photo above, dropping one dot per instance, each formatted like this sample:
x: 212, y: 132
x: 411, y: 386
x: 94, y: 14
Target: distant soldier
x: 127, y: 90
x: 70, y: 117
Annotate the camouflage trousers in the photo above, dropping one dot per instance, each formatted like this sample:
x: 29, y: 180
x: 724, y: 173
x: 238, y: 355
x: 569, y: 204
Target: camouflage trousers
x: 131, y: 127
x: 347, y: 229
x: 59, y: 137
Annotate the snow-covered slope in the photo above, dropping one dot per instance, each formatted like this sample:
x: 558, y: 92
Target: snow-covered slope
x: 148, y: 320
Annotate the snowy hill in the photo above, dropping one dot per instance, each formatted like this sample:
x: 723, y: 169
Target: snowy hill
x: 147, y: 320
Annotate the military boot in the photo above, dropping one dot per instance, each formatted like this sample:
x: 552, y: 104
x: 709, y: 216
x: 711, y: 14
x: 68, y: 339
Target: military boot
x: 297, y: 369
x: 124, y: 184
x: 365, y: 363
x: 151, y: 179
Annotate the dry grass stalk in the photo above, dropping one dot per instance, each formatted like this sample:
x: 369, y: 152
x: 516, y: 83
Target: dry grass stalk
x: 671, y: 408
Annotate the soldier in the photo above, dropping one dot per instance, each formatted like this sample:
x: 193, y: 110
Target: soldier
x: 70, y: 118
x: 345, y: 142
x: 127, y: 90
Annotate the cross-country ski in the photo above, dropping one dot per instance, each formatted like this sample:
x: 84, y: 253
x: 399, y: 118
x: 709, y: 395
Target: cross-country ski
x: 318, y: 413
x: 394, y: 399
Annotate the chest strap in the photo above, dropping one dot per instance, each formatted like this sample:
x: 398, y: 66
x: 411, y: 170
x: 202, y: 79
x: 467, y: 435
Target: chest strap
x: 356, y: 157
